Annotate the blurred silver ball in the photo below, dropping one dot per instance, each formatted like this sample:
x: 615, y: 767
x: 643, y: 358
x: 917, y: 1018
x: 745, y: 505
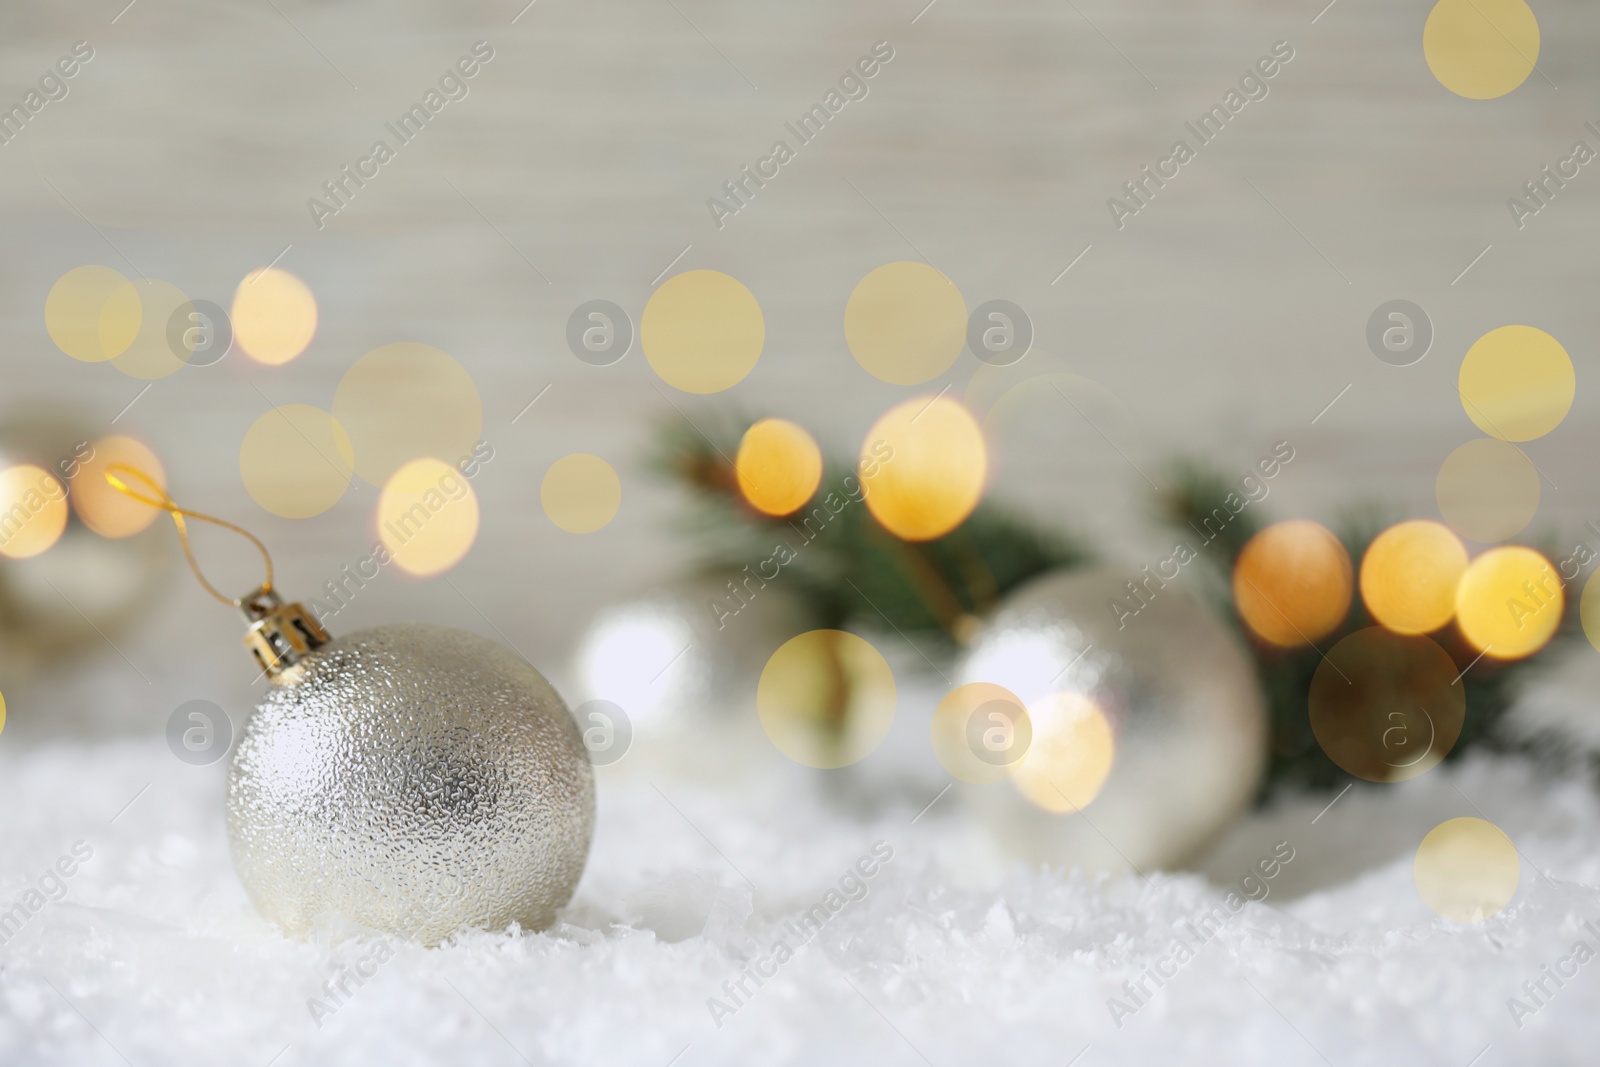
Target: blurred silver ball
x: 414, y: 780
x: 1186, y: 714
x: 687, y: 654
x: 85, y: 591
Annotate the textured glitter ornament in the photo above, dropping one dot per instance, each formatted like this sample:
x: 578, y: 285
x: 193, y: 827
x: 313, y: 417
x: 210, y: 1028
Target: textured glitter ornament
x: 411, y: 779
x: 415, y: 780
x: 1148, y: 726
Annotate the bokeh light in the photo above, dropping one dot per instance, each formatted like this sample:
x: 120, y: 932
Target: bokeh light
x: 923, y: 465
x: 33, y: 511
x: 1409, y: 576
x: 105, y: 509
x: 405, y: 401
x: 1487, y: 490
x: 92, y: 313
x: 427, y: 517
x: 1509, y: 602
x: 702, y: 331
x: 150, y: 355
x: 1466, y: 870
x: 826, y: 698
x: 779, y: 466
x: 296, y: 461
x: 1517, y: 383
x: 1589, y: 609
x: 981, y: 732
x: 580, y: 493
x: 632, y: 654
x: 905, y: 323
x: 274, y: 316
x: 1030, y: 660
x: 1071, y: 754
x: 1292, y: 583
x: 1385, y: 706
x: 1481, y: 49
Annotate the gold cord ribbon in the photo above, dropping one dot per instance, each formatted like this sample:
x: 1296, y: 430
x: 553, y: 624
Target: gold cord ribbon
x: 165, y: 503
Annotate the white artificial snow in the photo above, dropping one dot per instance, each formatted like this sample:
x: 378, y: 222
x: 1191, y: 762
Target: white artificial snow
x: 155, y: 956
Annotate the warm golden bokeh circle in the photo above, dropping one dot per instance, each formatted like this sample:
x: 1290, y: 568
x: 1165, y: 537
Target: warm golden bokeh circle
x: 405, y: 401
x: 1409, y: 576
x: 92, y: 313
x: 1487, y: 490
x: 105, y: 509
x: 1589, y: 609
x: 702, y: 331
x: 779, y: 466
x: 923, y: 465
x: 1517, y: 383
x: 1466, y: 870
x: 149, y: 356
x: 826, y: 698
x: 1481, y: 49
x: 1509, y: 603
x: 952, y: 731
x: 274, y: 316
x: 580, y: 493
x: 296, y: 461
x: 1071, y: 754
x: 1292, y: 583
x: 905, y: 323
x: 427, y: 517
x: 2, y: 712
x: 1386, y: 706
x: 33, y: 511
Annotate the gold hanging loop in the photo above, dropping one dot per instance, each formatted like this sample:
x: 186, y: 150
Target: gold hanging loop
x: 165, y: 503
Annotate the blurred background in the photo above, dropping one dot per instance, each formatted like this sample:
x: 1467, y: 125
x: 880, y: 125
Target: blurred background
x: 209, y: 273
x: 1225, y: 316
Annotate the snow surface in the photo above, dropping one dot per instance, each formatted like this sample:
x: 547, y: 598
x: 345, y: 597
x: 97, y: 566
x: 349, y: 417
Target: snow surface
x: 155, y: 956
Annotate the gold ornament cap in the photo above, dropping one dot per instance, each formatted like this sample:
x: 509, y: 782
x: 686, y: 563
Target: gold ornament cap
x: 281, y: 635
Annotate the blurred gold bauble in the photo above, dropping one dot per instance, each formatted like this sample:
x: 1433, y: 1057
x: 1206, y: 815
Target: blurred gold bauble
x: 81, y: 591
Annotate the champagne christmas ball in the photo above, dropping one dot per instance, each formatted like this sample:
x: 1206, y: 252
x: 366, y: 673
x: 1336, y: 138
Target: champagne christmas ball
x: 411, y: 779
x: 1146, y: 725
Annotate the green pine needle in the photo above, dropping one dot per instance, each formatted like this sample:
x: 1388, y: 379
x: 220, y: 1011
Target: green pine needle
x: 1296, y: 759
x: 847, y: 566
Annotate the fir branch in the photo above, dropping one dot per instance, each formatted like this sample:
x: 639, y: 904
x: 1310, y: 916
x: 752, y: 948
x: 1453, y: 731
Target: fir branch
x: 846, y: 565
x: 1296, y: 759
